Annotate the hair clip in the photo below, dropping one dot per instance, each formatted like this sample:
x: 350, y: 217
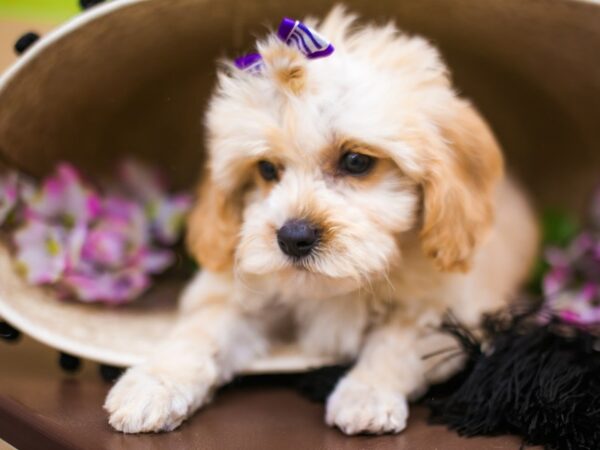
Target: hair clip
x: 294, y: 34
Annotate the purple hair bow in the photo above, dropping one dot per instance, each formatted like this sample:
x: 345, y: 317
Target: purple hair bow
x: 295, y: 34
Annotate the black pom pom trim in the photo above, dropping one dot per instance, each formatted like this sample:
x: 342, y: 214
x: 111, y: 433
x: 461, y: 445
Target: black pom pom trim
x: 86, y: 4
x: 25, y: 41
x: 8, y: 333
x: 317, y: 384
x: 110, y: 373
x: 69, y: 363
x: 539, y: 382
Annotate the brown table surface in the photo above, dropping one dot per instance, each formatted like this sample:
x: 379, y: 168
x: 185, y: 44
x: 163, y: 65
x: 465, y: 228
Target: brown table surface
x: 43, y: 408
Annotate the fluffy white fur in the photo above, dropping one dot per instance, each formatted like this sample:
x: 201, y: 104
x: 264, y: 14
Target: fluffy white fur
x: 434, y: 227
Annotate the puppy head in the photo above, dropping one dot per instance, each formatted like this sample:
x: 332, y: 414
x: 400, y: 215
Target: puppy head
x: 321, y: 166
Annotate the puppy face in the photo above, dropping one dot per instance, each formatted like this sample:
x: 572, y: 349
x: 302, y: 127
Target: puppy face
x: 319, y: 167
x: 333, y: 210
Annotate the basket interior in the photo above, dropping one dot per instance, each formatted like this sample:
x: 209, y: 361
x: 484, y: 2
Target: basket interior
x: 135, y: 81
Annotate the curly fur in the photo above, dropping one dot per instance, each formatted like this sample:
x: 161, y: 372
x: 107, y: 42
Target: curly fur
x: 434, y: 226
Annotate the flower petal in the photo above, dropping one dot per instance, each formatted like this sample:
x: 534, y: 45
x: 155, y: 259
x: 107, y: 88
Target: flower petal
x: 64, y: 198
x: 41, y: 252
x: 107, y: 287
x: 141, y: 181
x: 156, y: 261
x: 169, y: 218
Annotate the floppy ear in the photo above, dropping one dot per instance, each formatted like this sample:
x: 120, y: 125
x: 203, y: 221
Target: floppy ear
x: 213, y: 226
x: 458, y: 189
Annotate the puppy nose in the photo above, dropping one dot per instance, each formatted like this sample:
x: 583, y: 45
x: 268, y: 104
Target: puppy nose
x: 297, y: 237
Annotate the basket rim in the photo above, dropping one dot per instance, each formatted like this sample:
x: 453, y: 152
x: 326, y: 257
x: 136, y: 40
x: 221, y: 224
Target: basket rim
x: 61, y: 31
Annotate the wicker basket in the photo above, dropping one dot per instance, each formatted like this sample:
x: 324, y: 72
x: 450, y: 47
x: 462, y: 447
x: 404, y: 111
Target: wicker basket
x: 133, y: 76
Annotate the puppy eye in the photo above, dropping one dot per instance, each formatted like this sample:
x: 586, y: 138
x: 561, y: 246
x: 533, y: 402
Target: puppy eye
x: 356, y: 163
x: 267, y: 170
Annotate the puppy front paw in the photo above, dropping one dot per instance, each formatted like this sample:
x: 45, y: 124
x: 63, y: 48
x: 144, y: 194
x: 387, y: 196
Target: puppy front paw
x: 143, y: 401
x: 355, y: 407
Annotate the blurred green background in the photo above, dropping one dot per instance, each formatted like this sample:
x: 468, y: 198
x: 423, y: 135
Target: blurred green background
x: 54, y: 10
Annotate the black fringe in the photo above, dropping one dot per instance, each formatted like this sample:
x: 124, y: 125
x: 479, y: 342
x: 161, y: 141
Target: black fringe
x: 539, y: 382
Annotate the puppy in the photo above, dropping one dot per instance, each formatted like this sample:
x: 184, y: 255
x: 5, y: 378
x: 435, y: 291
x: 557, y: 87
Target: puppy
x: 355, y: 196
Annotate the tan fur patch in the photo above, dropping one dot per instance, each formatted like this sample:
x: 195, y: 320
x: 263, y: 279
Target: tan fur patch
x: 213, y: 226
x: 459, y: 191
x: 288, y: 66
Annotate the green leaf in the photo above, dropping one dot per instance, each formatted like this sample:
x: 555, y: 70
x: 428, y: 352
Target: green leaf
x: 558, y: 227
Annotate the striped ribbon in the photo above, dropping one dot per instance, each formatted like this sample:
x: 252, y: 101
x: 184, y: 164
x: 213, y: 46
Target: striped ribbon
x: 295, y: 34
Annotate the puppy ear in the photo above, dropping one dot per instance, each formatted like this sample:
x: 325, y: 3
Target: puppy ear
x: 458, y: 190
x: 213, y: 226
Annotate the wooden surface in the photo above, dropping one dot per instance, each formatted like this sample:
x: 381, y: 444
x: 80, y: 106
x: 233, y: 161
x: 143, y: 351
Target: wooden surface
x: 43, y: 408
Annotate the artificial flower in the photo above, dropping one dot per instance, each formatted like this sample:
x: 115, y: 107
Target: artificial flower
x: 95, y: 246
x: 63, y: 199
x: 117, y: 256
x: 571, y: 286
x: 165, y: 212
x: 45, y: 251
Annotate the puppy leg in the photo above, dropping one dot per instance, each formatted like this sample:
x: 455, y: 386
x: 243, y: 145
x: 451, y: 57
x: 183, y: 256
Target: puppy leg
x: 210, y: 342
x: 372, y: 397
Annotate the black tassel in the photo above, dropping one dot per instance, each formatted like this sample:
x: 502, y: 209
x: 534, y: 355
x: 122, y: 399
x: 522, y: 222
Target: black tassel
x: 539, y: 382
x: 110, y: 373
x: 317, y: 384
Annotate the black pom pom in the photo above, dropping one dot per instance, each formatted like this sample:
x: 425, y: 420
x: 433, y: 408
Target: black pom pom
x: 317, y: 384
x: 8, y: 333
x: 535, y: 381
x: 85, y: 4
x: 110, y: 373
x: 69, y: 363
x: 25, y: 41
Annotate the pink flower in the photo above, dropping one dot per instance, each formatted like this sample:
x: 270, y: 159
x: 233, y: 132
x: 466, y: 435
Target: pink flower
x: 63, y: 199
x: 96, y: 248
x: 115, y: 288
x: 117, y: 256
x: 168, y: 217
x: 555, y: 280
x: 45, y: 251
x: 579, y: 307
x: 165, y: 212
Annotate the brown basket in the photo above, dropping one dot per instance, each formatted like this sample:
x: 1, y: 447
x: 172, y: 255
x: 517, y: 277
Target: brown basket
x: 132, y: 77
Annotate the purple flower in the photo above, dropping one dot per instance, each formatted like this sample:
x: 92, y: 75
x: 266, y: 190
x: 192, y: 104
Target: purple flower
x: 45, y: 251
x: 165, y: 212
x: 578, y: 307
x: 63, y: 199
x: 117, y: 256
x: 572, y: 284
x: 115, y: 288
x: 96, y: 248
x: 167, y: 216
x: 555, y: 280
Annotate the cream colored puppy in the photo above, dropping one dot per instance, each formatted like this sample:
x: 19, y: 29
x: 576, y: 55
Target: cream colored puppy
x: 355, y: 196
